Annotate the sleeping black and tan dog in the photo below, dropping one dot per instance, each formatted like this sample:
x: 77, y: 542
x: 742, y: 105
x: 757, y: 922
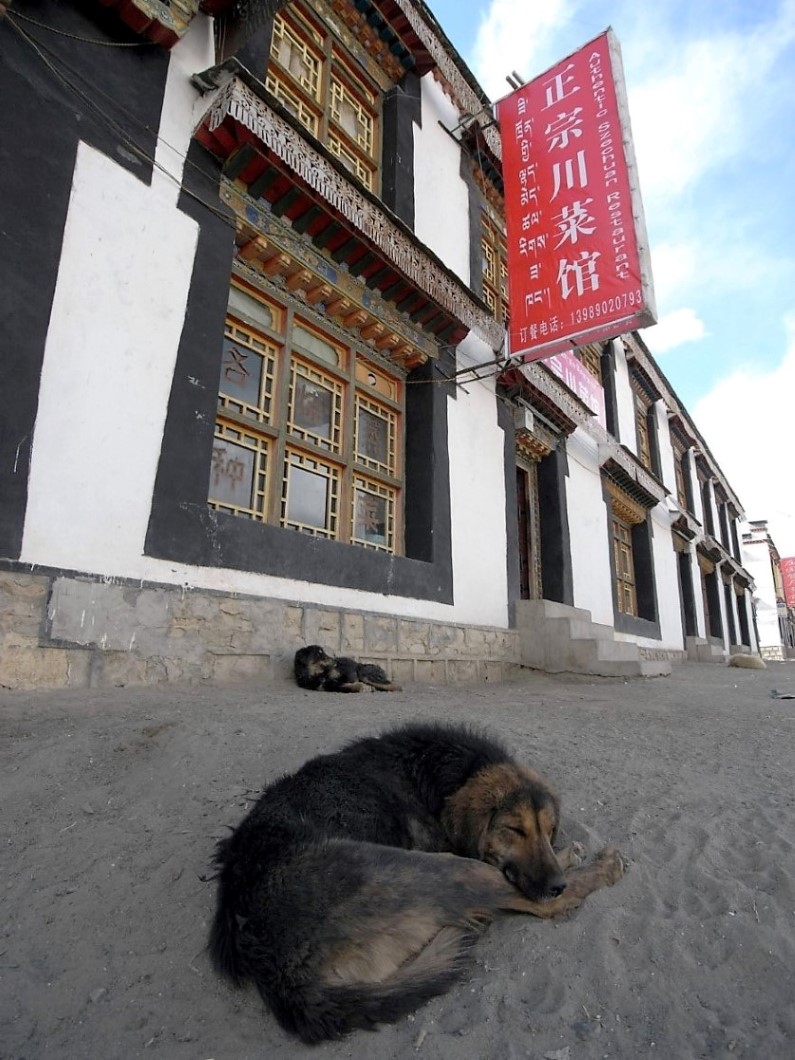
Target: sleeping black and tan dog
x: 318, y: 671
x: 353, y: 890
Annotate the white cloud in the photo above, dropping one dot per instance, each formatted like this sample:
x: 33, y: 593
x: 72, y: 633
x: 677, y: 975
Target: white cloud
x: 676, y: 266
x: 514, y: 35
x: 695, y: 102
x: 747, y: 423
x: 690, y: 100
x: 674, y: 329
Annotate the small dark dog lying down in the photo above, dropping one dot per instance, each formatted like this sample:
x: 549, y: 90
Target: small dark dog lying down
x: 320, y: 672
x: 354, y: 889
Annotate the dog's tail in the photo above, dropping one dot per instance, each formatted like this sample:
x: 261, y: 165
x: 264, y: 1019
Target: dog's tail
x: 223, y: 945
x: 321, y: 1011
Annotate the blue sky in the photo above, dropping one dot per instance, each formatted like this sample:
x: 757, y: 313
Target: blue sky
x: 711, y: 86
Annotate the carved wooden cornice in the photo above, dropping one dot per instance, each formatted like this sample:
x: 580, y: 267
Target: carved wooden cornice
x: 573, y: 412
x: 624, y: 478
x: 353, y: 23
x: 465, y: 96
x: 625, y: 507
x: 160, y: 21
x: 712, y: 549
x: 531, y: 448
x: 681, y: 525
x: 240, y: 102
x: 270, y: 247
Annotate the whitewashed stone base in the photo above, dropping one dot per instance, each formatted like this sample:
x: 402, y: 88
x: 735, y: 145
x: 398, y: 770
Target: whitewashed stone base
x: 63, y: 630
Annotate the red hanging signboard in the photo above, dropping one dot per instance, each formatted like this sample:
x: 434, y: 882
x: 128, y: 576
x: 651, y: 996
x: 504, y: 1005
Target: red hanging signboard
x: 788, y: 578
x: 578, y: 261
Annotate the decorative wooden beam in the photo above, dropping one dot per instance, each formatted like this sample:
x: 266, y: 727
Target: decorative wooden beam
x: 319, y: 294
x: 278, y: 263
x: 299, y: 280
x: 259, y: 185
x: 240, y: 103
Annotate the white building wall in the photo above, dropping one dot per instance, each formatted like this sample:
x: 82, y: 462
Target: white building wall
x: 698, y: 506
x: 624, y: 399
x: 115, y: 325
x: 441, y: 207
x: 698, y: 594
x: 477, y: 497
x: 588, y: 529
x: 666, y: 579
x: 713, y: 507
x: 116, y: 321
x: 665, y: 447
x: 756, y: 560
x: 736, y: 618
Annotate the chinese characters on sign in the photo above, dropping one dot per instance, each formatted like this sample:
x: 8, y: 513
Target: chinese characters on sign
x: 580, y: 381
x: 578, y: 268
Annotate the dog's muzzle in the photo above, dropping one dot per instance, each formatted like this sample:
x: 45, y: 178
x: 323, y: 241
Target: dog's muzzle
x: 539, y: 892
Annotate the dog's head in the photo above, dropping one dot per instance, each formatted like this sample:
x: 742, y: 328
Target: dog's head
x: 312, y: 660
x: 508, y: 817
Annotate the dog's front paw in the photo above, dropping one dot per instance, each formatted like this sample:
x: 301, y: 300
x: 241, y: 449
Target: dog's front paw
x: 577, y: 853
x: 612, y: 865
x: 571, y: 857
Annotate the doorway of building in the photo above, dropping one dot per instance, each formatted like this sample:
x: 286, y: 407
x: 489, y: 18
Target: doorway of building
x: 527, y: 512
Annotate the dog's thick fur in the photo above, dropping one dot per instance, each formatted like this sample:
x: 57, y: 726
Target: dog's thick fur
x: 354, y: 888
x: 747, y: 662
x: 318, y: 671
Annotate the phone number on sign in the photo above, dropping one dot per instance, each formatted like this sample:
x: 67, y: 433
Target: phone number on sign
x: 597, y: 310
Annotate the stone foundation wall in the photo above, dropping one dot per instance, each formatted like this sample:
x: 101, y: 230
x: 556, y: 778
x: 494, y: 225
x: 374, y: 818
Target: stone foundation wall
x: 61, y: 631
x: 662, y: 654
x: 773, y: 653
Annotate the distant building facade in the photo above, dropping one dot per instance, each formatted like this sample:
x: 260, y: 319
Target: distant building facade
x: 775, y: 614
x: 253, y: 396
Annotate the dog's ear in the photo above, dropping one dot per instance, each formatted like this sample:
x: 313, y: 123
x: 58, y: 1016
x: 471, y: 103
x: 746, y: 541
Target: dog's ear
x: 468, y: 813
x: 467, y: 821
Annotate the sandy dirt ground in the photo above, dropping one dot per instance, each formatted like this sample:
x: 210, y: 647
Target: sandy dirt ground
x: 111, y: 803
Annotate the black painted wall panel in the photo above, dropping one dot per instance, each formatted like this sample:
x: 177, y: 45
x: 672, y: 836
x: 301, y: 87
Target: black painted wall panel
x: 183, y: 528
x: 65, y: 92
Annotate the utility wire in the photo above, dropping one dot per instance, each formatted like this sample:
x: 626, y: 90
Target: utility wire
x: 40, y: 50
x: 83, y: 40
x: 113, y: 124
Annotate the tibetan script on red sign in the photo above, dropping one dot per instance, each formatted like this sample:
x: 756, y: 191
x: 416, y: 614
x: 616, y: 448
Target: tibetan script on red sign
x: 578, y: 262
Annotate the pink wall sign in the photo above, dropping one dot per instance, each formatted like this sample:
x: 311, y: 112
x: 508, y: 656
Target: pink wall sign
x: 579, y: 380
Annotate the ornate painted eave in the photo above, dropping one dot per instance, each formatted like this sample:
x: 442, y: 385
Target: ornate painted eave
x: 643, y: 378
x: 468, y: 95
x: 626, y: 476
x: 269, y: 251
x: 711, y: 549
x: 679, y: 431
x: 272, y: 156
x: 160, y: 21
x: 682, y: 525
x: 545, y: 393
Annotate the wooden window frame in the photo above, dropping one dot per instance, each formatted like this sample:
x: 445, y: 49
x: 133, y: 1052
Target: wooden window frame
x: 642, y: 434
x: 635, y: 598
x: 494, y: 257
x: 590, y: 357
x: 626, y: 587
x: 679, y: 476
x: 340, y: 79
x: 285, y: 440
